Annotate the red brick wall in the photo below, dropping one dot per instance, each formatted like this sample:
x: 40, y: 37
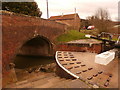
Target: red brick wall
x: 97, y: 48
x: 19, y: 29
x: 73, y: 24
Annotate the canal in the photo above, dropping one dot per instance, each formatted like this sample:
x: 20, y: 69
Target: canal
x: 24, y: 61
x: 26, y: 66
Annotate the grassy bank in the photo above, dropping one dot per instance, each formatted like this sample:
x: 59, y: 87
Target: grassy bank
x: 70, y: 36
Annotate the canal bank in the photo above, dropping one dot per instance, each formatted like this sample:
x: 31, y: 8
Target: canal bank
x: 83, y: 45
x: 82, y: 65
x: 77, y: 61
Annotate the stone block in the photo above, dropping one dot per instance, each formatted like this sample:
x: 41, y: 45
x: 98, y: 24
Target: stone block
x: 104, y: 58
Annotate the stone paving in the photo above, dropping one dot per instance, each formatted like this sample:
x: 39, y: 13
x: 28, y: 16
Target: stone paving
x: 83, y: 65
x: 86, y: 41
x: 48, y: 80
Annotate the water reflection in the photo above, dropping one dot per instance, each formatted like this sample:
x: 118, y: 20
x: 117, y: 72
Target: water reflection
x: 22, y: 61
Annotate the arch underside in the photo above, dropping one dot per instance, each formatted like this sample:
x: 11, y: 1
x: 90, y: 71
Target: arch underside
x: 37, y: 46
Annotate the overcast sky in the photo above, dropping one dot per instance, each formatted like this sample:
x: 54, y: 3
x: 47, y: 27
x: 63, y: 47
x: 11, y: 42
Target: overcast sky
x: 83, y: 7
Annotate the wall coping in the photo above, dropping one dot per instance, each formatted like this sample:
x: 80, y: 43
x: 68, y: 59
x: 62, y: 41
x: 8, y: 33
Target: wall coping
x: 3, y: 12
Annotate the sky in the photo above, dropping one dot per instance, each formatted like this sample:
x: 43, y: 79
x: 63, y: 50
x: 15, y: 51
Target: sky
x: 84, y: 8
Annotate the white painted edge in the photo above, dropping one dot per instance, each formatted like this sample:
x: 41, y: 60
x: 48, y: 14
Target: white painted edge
x: 64, y: 67
x: 88, y: 36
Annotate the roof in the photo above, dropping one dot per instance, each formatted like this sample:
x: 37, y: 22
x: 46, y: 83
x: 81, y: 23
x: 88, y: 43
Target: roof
x: 63, y: 22
x: 64, y: 17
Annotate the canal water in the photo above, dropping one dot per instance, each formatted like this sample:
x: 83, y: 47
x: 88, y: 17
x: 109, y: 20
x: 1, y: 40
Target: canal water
x: 25, y: 66
x: 24, y: 61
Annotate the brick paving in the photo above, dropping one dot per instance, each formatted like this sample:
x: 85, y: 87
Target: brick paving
x: 83, y: 65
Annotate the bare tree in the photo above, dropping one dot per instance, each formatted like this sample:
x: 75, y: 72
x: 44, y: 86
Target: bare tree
x: 101, y: 20
x: 102, y: 14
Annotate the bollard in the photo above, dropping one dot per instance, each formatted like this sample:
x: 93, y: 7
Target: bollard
x: 12, y: 72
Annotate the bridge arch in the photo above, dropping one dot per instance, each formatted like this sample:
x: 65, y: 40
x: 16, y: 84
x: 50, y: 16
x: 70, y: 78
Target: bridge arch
x: 16, y: 33
x: 37, y: 46
x: 34, y: 51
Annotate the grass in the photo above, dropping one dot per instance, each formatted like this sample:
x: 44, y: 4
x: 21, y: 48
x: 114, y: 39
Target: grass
x: 70, y: 36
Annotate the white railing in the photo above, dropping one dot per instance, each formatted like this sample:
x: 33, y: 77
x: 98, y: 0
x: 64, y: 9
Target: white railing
x: 64, y: 67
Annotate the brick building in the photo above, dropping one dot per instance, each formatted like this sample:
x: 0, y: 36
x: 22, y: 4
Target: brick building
x: 71, y: 20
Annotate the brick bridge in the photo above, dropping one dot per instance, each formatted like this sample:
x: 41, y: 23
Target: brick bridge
x: 20, y: 30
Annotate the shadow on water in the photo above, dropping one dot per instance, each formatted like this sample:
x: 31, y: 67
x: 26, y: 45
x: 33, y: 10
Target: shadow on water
x: 24, y: 61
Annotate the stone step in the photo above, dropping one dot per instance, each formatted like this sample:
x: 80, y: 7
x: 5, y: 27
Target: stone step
x: 38, y: 77
x: 39, y: 83
x: 50, y: 82
x: 71, y: 84
x: 61, y: 80
x: 15, y: 85
x: 22, y: 82
x: 27, y: 85
x: 34, y: 78
x: 77, y: 84
x: 61, y: 84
